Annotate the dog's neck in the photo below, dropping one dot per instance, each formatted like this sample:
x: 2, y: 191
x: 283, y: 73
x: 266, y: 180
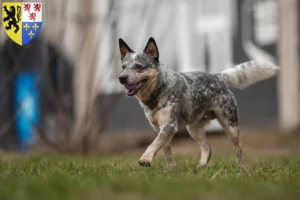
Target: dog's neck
x: 153, y: 100
x: 163, y: 82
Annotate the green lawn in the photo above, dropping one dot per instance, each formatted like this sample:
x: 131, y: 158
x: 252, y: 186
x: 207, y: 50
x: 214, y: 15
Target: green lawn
x: 77, y: 178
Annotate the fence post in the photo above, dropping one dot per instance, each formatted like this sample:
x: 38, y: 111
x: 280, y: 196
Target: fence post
x: 85, y: 66
x: 288, y: 53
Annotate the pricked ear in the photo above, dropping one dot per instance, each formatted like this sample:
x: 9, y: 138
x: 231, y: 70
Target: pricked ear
x: 151, y: 49
x: 124, y: 48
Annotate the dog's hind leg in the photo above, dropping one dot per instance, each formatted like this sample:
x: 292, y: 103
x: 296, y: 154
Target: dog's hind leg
x: 197, y: 132
x: 170, y: 161
x: 229, y: 120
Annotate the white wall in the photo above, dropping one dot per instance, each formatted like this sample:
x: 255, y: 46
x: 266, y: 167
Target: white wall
x: 179, y: 28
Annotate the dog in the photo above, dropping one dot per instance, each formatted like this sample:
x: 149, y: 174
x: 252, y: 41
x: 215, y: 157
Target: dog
x: 173, y: 99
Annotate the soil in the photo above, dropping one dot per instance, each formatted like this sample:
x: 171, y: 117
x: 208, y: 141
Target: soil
x: 258, y: 143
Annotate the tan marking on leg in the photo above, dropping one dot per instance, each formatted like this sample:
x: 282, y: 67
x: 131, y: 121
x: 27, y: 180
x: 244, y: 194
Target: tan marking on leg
x: 151, y: 118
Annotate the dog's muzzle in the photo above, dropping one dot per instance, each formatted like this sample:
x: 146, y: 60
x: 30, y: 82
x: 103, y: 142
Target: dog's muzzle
x: 123, y: 79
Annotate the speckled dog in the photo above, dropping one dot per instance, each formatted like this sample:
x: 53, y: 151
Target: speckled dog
x: 173, y: 99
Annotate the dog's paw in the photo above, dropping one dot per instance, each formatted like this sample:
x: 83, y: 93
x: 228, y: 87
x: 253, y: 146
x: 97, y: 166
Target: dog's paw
x: 202, y: 166
x: 144, y: 163
x: 241, y: 165
x: 171, y: 165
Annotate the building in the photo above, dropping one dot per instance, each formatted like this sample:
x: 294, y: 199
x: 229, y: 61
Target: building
x: 206, y: 35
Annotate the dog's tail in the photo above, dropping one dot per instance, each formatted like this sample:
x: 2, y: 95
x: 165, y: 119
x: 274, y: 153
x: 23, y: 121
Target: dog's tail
x: 248, y: 73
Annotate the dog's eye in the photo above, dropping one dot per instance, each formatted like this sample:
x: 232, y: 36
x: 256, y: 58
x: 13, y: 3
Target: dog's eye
x: 123, y: 66
x: 137, y: 66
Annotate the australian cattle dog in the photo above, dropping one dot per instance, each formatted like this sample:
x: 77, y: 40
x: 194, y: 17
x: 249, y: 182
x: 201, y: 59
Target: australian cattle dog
x: 173, y: 99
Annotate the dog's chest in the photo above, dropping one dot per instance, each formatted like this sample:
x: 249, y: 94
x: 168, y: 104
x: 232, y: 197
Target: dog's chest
x: 160, y: 117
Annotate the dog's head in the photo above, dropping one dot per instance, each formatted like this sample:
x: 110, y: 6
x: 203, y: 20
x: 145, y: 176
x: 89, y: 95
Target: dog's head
x: 139, y: 75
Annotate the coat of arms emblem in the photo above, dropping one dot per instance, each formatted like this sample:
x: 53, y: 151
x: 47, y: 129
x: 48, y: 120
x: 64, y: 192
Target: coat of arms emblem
x: 22, y: 21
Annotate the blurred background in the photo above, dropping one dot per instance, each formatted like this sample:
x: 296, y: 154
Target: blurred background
x: 61, y: 91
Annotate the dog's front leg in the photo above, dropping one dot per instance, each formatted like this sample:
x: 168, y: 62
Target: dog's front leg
x: 163, y: 138
x: 170, y: 161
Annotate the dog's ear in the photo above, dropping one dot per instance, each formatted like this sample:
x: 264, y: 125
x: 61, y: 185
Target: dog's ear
x: 151, y: 49
x: 124, y: 48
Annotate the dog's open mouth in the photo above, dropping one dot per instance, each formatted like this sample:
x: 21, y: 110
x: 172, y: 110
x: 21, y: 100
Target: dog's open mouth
x: 133, y: 88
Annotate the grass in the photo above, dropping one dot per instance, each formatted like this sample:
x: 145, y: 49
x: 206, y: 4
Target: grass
x: 113, y: 177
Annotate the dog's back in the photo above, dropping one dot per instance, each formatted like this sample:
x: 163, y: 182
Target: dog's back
x: 205, y: 92
x: 201, y: 92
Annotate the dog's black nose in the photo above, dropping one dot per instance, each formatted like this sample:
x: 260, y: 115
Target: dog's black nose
x: 123, y: 79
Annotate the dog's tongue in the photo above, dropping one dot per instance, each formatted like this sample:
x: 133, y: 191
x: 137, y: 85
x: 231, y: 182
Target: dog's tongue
x: 131, y: 86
